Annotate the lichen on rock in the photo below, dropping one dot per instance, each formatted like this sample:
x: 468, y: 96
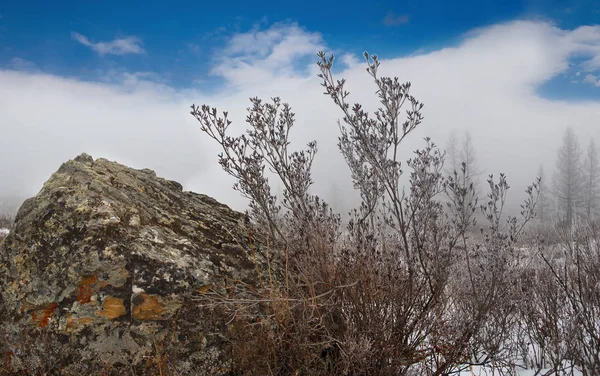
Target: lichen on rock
x: 106, y: 258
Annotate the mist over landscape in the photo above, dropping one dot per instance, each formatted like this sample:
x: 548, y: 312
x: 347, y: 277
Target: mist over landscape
x: 272, y: 188
x: 488, y: 82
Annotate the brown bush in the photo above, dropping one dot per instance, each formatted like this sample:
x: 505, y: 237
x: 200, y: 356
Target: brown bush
x: 402, y: 289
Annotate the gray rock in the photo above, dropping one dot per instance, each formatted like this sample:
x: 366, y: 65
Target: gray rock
x: 106, y: 264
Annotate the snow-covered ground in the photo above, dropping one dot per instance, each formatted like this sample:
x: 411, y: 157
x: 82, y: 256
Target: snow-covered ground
x: 4, y: 232
x: 483, y: 371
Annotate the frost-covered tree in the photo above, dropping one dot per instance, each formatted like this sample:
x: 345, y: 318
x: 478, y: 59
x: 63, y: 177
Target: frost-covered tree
x: 591, y: 181
x: 544, y: 205
x: 568, y: 187
x: 453, y: 159
x: 460, y: 151
x: 469, y: 157
x: 461, y: 166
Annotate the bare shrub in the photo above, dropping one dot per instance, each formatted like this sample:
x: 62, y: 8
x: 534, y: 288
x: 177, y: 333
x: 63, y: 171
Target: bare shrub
x: 574, y: 268
x: 558, y: 328
x: 544, y: 323
x: 403, y: 289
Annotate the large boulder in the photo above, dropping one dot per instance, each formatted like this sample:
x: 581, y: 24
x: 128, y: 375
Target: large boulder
x: 105, y: 266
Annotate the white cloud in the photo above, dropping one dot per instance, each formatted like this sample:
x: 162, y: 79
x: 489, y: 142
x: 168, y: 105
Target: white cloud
x: 118, y: 46
x: 350, y: 60
x: 138, y: 81
x: 586, y: 42
x: 591, y: 79
x: 486, y: 84
x: 21, y: 64
x: 262, y: 55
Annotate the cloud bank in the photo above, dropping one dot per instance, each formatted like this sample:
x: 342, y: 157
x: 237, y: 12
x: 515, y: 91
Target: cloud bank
x: 486, y: 84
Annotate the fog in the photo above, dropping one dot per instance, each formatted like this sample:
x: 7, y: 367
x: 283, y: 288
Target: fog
x: 485, y: 83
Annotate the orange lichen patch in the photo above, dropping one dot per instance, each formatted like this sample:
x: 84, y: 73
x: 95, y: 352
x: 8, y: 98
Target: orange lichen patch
x: 112, y: 308
x: 85, y: 288
x: 71, y: 322
x: 74, y: 323
x: 85, y: 320
x: 149, y: 308
x: 42, y: 316
x: 204, y: 289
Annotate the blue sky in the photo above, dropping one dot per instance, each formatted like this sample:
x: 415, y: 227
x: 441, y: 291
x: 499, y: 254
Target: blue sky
x: 180, y: 39
x: 116, y: 80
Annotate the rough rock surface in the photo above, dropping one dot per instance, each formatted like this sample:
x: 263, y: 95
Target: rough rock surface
x: 105, y: 265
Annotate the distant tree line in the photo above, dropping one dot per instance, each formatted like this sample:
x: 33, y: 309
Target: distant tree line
x: 574, y: 192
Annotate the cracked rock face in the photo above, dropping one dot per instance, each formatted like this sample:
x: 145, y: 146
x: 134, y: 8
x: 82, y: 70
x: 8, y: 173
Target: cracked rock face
x: 106, y: 262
